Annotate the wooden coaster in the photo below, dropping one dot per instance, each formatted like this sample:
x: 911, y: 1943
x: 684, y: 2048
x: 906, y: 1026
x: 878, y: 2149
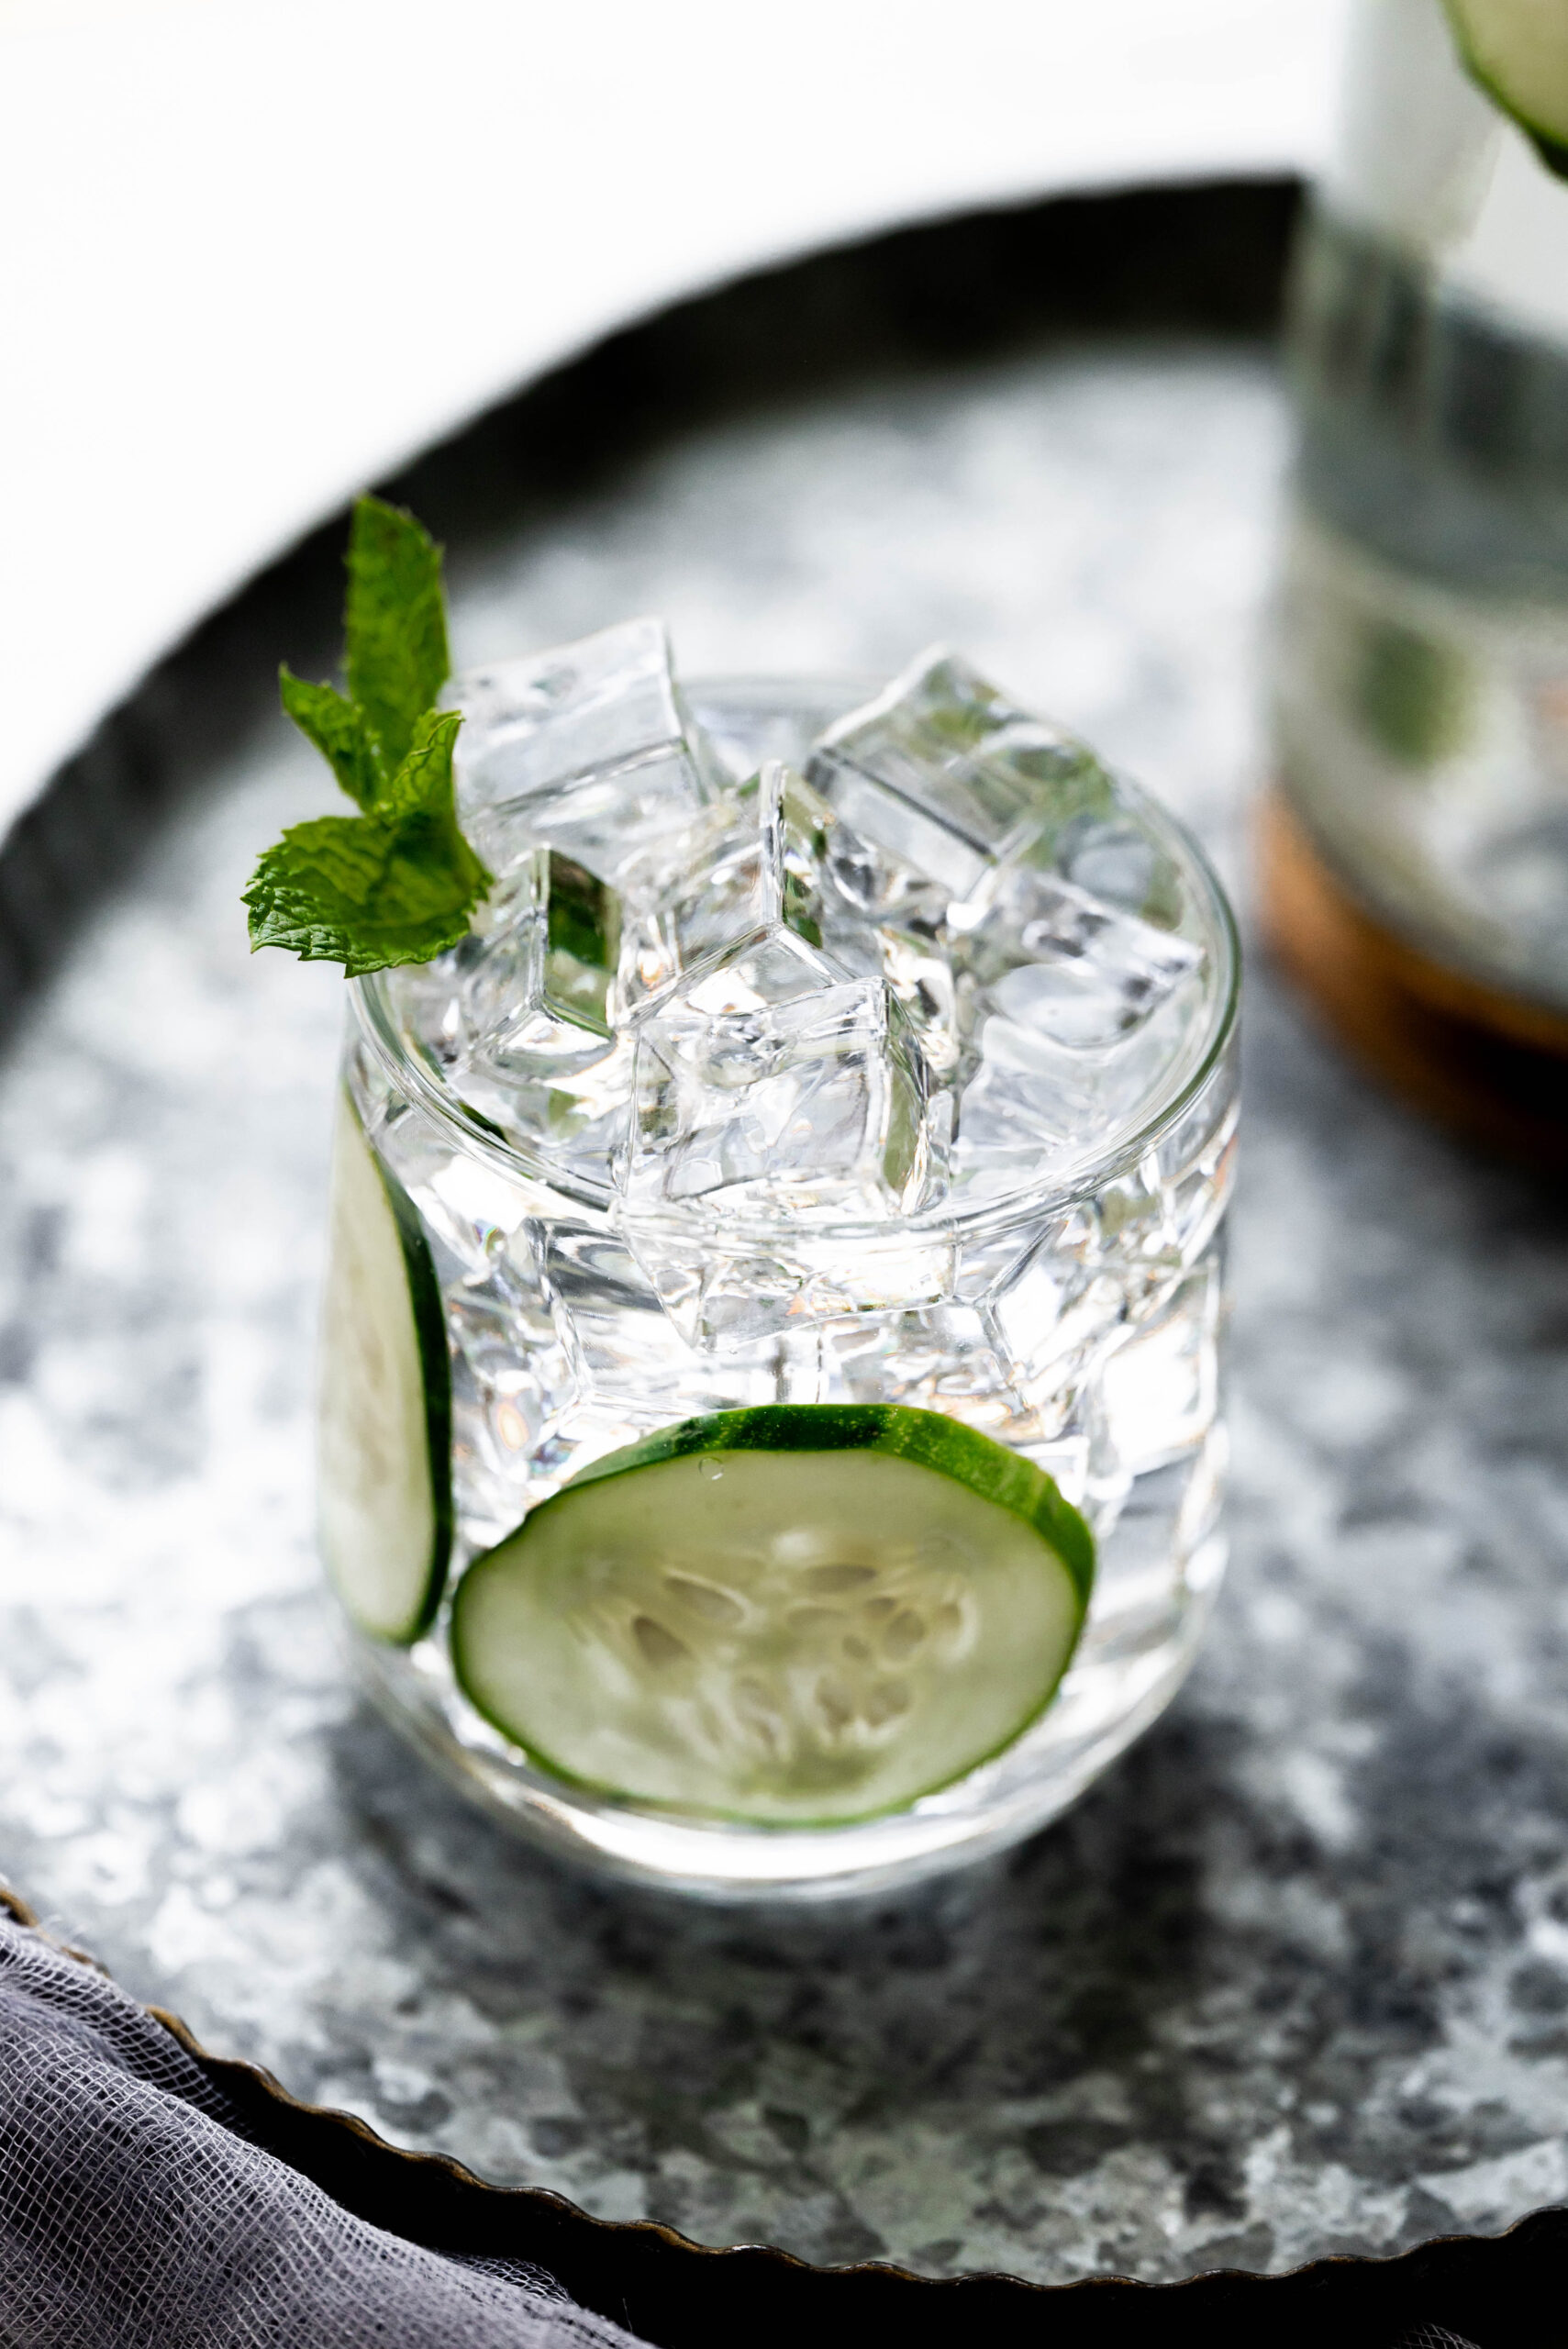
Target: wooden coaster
x: 1489, y: 1064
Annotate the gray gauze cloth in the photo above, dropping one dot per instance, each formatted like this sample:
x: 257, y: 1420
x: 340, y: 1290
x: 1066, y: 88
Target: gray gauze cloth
x: 133, y: 2211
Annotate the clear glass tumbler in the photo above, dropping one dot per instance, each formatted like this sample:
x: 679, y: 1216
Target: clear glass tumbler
x: 1080, y: 1323
x: 1417, y: 852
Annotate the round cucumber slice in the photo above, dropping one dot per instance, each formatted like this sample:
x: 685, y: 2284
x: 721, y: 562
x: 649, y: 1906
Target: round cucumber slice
x: 797, y: 1616
x: 1518, y: 51
x: 384, y: 1428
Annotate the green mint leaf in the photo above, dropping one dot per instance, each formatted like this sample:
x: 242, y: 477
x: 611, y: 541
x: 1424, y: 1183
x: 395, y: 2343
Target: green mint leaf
x: 423, y: 784
x: 395, y: 626
x: 339, y: 730
x: 395, y: 885
x: 397, y: 882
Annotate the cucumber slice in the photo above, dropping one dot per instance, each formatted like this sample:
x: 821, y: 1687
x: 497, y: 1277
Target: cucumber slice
x: 1518, y: 51
x: 384, y: 1428
x: 798, y: 1616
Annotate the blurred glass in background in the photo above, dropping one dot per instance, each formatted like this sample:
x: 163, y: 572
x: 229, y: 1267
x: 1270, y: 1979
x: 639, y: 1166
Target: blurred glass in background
x: 1415, y: 857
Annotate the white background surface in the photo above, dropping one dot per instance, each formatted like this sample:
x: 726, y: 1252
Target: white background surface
x: 255, y: 253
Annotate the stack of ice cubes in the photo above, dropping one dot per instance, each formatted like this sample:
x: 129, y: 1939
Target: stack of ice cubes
x: 938, y: 966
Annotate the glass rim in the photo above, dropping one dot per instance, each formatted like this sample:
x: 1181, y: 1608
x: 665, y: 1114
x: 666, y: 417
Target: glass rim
x: 1090, y: 1172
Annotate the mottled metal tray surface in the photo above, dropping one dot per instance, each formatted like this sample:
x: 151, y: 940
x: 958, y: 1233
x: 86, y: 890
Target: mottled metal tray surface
x: 1294, y: 1979
x: 674, y: 2294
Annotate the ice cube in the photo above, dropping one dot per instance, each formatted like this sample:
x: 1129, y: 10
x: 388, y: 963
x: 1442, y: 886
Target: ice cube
x: 1023, y: 1368
x: 761, y: 872
x: 725, y: 1289
x: 515, y: 1020
x: 524, y: 995
x: 775, y: 1096
x: 1056, y: 961
x: 1036, y: 1110
x: 706, y: 908
x: 880, y: 917
x: 469, y: 1210
x: 1119, y: 861
x: 765, y: 968
x: 632, y: 1363
x: 1160, y: 1388
x: 587, y: 748
x: 918, y: 974
x: 1197, y: 1162
x: 869, y: 882
x: 1031, y: 1105
x: 1057, y: 1310
x: 531, y: 981
x: 514, y: 1379
x: 635, y: 1369
x: 816, y: 1107
x: 1074, y: 1009
x: 943, y: 773
x: 938, y: 1359
x: 570, y: 1124
x: 1036, y: 1113
x: 1137, y: 1236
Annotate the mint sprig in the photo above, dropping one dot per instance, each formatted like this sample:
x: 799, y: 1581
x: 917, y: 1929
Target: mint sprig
x: 395, y: 626
x: 397, y: 882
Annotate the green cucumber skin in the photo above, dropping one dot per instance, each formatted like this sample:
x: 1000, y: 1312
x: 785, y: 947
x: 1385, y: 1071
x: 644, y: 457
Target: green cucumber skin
x: 435, y: 1362
x: 1549, y: 145
x: 1550, y: 138
x: 435, y: 1368
x: 929, y: 1438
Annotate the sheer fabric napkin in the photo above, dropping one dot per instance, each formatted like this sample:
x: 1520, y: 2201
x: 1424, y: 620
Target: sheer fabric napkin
x: 136, y: 2214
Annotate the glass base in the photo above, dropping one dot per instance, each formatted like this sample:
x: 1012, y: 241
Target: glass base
x: 1160, y: 1567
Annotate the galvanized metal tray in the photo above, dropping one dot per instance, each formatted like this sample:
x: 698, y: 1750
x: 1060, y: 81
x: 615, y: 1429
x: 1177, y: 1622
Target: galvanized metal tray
x: 1289, y: 1986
